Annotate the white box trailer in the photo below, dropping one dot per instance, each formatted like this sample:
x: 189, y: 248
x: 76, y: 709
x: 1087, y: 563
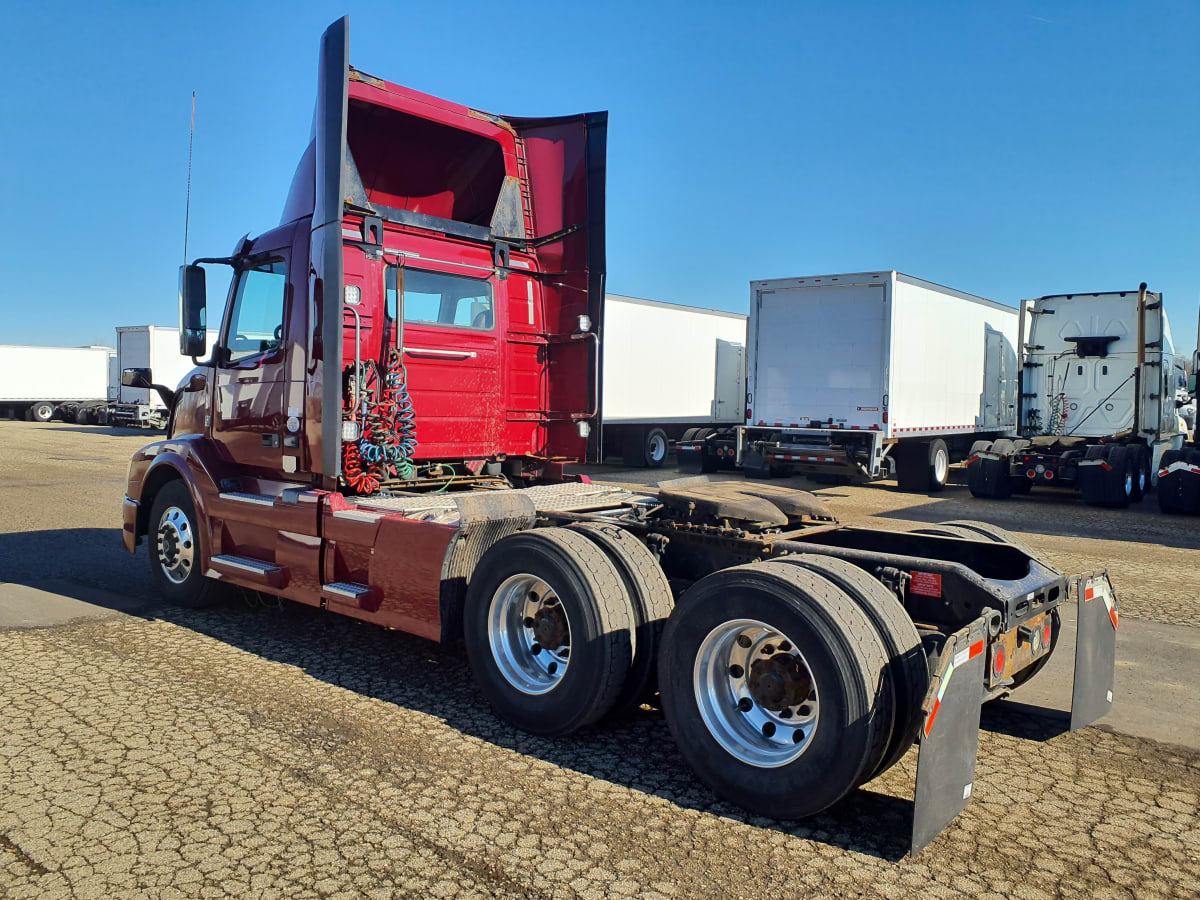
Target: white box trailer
x: 857, y: 376
x: 1098, y: 408
x: 154, y: 347
x: 668, y: 371
x: 38, y: 383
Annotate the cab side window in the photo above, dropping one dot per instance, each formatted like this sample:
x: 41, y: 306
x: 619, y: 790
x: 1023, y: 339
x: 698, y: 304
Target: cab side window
x: 438, y: 298
x: 256, y: 322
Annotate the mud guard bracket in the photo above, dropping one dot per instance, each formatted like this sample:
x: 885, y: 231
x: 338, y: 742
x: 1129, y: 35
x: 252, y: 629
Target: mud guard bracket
x: 1095, y: 650
x: 949, y: 735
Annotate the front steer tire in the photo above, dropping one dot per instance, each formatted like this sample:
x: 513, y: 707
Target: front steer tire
x: 588, y: 587
x: 842, y: 652
x: 176, y: 547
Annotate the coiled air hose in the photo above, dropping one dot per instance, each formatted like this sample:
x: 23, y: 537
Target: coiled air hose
x: 388, y: 436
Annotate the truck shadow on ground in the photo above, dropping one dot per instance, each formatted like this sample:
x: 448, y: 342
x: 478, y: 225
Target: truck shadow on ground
x: 634, y: 750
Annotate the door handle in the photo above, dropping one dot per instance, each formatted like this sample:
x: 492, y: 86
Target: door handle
x: 449, y: 354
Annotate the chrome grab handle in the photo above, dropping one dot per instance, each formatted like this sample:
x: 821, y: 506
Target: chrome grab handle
x: 453, y: 354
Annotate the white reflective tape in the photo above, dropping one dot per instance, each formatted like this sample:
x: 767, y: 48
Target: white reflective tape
x: 961, y: 657
x: 967, y: 790
x: 1110, y: 696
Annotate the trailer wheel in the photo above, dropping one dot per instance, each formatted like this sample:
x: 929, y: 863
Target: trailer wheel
x: 657, y: 448
x: 1119, y: 478
x: 548, y: 630
x: 176, y: 549
x: 652, y: 602
x: 907, y: 663
x: 776, y: 688
x: 922, y: 466
x: 42, y: 411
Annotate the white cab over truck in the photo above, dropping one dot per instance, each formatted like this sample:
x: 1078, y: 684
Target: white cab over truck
x: 37, y: 383
x: 154, y: 347
x: 1097, y: 400
x: 859, y: 376
x: 670, y: 371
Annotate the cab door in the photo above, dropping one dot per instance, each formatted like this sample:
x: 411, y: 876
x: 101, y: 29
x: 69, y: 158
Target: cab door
x: 451, y: 355
x: 249, y: 416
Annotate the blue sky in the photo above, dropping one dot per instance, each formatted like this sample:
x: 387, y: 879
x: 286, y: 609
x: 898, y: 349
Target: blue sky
x: 1010, y: 149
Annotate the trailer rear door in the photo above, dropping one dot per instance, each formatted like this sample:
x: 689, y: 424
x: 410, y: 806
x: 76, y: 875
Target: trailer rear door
x: 819, y: 355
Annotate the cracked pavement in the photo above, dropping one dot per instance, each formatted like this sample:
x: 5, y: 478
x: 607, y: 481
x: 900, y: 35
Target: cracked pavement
x: 272, y: 750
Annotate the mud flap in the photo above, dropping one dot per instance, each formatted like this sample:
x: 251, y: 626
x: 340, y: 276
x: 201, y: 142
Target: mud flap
x: 1095, y: 650
x: 949, y: 736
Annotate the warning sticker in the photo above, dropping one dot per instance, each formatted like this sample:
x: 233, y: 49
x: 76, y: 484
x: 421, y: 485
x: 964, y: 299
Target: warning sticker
x: 927, y: 584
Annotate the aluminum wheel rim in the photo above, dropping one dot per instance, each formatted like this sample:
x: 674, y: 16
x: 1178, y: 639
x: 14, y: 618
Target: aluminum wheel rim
x: 525, y: 612
x: 658, y: 448
x: 1128, y: 485
x: 176, y: 545
x: 733, y: 714
x: 941, y: 466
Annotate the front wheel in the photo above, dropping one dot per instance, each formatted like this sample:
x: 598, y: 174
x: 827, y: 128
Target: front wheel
x: 776, y: 689
x: 175, y: 544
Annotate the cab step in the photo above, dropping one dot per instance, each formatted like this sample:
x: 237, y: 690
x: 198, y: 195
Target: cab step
x: 244, y: 568
x: 350, y: 593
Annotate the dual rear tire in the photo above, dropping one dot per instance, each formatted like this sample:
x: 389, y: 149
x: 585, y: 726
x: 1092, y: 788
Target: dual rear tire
x: 922, y: 467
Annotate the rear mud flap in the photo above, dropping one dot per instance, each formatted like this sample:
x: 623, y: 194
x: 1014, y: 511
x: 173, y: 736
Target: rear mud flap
x: 949, y: 736
x: 1095, y: 651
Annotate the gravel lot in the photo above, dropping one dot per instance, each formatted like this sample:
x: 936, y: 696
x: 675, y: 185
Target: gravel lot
x: 278, y: 751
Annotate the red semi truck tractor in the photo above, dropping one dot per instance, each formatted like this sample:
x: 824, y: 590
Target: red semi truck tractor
x: 403, y: 369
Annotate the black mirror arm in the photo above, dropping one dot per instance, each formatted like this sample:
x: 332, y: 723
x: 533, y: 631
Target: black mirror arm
x: 168, y: 396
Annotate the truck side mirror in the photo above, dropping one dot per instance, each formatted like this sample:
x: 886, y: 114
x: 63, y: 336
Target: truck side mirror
x: 1192, y: 383
x: 136, y: 378
x: 193, y: 331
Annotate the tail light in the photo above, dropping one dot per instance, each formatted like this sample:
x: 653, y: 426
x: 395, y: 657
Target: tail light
x: 749, y: 414
x: 885, y: 421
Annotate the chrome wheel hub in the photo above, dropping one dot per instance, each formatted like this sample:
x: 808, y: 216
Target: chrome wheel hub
x: 529, y: 633
x: 756, y: 693
x: 176, y: 545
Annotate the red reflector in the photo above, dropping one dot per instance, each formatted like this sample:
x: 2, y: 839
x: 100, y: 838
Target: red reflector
x: 1029, y: 473
x: 976, y: 649
x: 885, y: 417
x: 971, y: 459
x: 749, y: 414
x: 998, y: 662
x: 1105, y: 466
x: 927, y: 584
x: 1049, y: 475
x: 1046, y: 634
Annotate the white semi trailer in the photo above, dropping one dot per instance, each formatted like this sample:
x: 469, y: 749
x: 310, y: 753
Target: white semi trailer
x: 1097, y: 400
x: 38, y: 383
x: 154, y: 347
x: 669, y: 372
x: 861, y: 376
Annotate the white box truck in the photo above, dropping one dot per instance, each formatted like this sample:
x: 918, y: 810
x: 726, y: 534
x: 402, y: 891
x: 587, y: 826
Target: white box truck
x: 154, y: 347
x: 861, y: 376
x: 1097, y: 401
x: 669, y: 372
x: 37, y: 383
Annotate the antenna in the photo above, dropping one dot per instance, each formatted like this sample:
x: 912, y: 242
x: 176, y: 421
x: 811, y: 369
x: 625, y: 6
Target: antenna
x: 187, y: 213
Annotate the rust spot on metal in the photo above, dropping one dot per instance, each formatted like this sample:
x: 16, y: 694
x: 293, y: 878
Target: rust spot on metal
x: 495, y: 120
x: 356, y: 75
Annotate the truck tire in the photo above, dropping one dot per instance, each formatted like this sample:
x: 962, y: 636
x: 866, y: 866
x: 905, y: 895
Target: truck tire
x: 906, y: 658
x: 1179, y: 492
x: 549, y: 585
x: 652, y: 602
x: 993, y: 533
x: 776, y: 688
x: 1141, y: 472
x: 1118, y: 480
x: 42, y: 411
x: 658, y: 448
x: 923, y: 466
x: 175, y: 544
x: 708, y: 462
